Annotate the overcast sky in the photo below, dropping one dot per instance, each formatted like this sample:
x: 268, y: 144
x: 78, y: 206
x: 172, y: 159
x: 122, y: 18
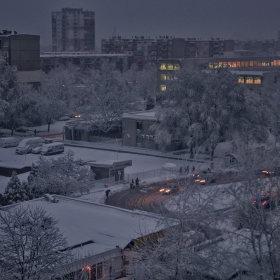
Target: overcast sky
x: 231, y: 19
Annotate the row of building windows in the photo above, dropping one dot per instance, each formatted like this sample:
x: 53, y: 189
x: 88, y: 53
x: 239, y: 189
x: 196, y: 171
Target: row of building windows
x: 237, y: 64
x: 169, y: 66
x: 241, y: 80
x: 249, y: 80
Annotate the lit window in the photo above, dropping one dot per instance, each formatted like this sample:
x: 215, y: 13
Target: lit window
x: 257, y: 80
x: 238, y: 64
x: 251, y: 63
x: 210, y: 65
x: 162, y: 87
x: 176, y: 66
x: 162, y: 66
x: 249, y: 80
x: 163, y: 77
x: 242, y: 64
x: 170, y: 66
x: 225, y: 64
x: 241, y: 80
x: 220, y: 64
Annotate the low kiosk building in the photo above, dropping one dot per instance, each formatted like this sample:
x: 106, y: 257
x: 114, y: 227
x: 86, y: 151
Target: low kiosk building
x: 109, y: 169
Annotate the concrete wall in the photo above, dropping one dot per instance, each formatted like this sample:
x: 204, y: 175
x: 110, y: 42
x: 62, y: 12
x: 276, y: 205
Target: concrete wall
x: 138, y: 138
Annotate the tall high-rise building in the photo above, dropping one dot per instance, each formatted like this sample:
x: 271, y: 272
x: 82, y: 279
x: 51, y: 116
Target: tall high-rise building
x: 73, y: 30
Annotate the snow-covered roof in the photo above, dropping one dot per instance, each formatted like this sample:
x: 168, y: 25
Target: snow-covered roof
x: 82, y: 221
x: 142, y: 115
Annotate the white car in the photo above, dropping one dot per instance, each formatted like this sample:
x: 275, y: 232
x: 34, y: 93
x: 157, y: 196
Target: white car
x: 36, y: 150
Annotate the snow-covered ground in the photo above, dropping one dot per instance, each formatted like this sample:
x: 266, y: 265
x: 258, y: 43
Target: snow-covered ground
x: 140, y: 163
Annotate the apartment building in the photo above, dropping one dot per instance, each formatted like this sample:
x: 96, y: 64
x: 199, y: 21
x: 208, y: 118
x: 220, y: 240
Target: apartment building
x: 143, y: 49
x: 73, y: 30
x: 22, y: 51
x: 215, y: 47
x: 253, y: 72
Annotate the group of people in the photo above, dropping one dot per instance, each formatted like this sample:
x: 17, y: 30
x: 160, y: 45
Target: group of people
x: 133, y: 184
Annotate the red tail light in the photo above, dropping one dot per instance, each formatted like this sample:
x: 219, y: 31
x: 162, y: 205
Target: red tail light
x: 264, y: 203
x: 254, y: 202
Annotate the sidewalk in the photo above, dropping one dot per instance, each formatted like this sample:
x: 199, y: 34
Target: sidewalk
x: 200, y: 158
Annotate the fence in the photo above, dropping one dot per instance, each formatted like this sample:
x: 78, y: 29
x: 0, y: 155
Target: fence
x: 142, y: 175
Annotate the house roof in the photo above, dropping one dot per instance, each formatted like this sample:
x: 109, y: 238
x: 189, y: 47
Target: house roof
x: 142, y: 115
x: 107, y: 227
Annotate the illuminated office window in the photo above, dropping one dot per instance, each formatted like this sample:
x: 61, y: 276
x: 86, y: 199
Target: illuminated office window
x: 246, y: 63
x: 176, y: 66
x: 170, y: 66
x: 249, y: 80
x: 259, y: 63
x: 162, y: 66
x: 238, y: 64
x: 251, y: 63
x: 225, y: 65
x: 241, y: 80
x: 257, y: 80
x: 162, y: 87
x: 242, y: 63
x: 210, y: 65
x: 163, y: 77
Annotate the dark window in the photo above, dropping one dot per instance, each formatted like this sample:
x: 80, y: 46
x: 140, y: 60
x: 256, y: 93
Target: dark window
x: 139, y: 125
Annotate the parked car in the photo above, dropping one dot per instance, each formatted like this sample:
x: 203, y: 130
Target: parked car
x: 37, y: 150
x: 64, y: 118
x: 22, y: 129
x: 8, y: 142
x: 170, y: 189
x: 52, y: 148
x: 26, y: 145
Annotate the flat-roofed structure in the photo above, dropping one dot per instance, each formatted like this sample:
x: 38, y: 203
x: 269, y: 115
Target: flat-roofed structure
x: 98, y: 235
x: 82, y: 60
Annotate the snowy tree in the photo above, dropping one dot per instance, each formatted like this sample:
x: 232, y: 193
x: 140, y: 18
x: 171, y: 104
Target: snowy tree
x: 109, y: 96
x: 143, y: 83
x: 17, y: 100
x: 30, y: 243
x: 60, y: 176
x: 15, y: 191
x: 207, y: 108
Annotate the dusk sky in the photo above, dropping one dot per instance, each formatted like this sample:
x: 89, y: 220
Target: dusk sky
x: 230, y: 19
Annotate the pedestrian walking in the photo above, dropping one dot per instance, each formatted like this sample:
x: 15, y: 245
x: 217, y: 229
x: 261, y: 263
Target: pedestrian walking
x: 137, y: 182
x: 131, y: 183
x: 35, y: 131
x: 193, y: 169
x: 187, y: 170
x: 107, y: 193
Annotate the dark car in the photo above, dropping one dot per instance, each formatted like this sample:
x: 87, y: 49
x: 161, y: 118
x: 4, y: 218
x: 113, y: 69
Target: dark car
x: 21, y: 129
x: 170, y: 189
x: 266, y: 202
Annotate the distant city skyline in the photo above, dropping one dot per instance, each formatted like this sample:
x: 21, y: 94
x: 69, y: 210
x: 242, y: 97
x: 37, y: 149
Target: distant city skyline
x: 231, y: 19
